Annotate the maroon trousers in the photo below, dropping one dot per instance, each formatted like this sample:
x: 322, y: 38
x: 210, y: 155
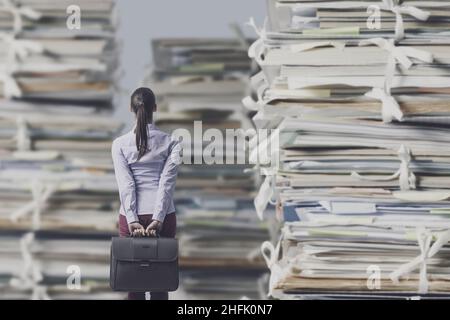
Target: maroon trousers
x: 168, y: 230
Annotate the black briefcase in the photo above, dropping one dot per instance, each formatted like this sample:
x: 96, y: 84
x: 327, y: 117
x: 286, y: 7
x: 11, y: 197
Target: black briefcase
x: 144, y: 264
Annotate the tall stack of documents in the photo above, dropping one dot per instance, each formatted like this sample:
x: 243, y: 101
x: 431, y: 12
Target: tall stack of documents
x: 57, y: 187
x: 358, y: 96
x: 199, y: 84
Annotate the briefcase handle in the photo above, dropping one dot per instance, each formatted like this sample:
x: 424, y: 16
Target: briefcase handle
x: 157, y: 235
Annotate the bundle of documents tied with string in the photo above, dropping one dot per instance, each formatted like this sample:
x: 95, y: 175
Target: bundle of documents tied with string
x: 57, y: 187
x: 358, y: 93
x: 199, y: 83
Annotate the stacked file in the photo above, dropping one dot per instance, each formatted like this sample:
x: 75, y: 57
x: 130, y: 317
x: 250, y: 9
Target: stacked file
x: 55, y: 260
x: 199, y: 83
x: 399, y: 19
x: 57, y: 186
x: 359, y: 167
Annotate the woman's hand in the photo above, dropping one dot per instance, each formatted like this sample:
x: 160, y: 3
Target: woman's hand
x: 136, y: 229
x: 153, y: 228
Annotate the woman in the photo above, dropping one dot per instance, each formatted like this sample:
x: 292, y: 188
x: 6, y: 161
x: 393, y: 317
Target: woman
x: 145, y: 164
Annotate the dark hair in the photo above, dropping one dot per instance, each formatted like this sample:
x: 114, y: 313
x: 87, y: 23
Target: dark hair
x: 142, y: 104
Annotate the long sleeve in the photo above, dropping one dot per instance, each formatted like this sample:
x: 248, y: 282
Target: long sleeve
x: 125, y: 182
x: 167, y: 182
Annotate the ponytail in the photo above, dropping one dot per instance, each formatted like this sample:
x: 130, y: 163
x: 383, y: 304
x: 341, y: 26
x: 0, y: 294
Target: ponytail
x: 142, y: 104
x: 141, y: 132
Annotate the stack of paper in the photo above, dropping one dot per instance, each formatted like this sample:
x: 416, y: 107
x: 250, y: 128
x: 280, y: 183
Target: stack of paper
x: 57, y: 187
x: 57, y: 260
x: 358, y: 161
x: 199, y: 83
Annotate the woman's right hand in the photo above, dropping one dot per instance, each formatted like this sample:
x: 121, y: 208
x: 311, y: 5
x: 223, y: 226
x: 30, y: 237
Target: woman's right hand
x: 136, y: 229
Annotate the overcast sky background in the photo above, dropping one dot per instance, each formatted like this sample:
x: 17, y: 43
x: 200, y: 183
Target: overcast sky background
x: 142, y: 20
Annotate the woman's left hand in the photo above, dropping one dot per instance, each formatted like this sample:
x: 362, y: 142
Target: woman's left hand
x: 153, y: 228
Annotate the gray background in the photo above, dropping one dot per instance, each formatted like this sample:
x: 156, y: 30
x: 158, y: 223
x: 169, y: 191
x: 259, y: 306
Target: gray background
x: 142, y: 20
